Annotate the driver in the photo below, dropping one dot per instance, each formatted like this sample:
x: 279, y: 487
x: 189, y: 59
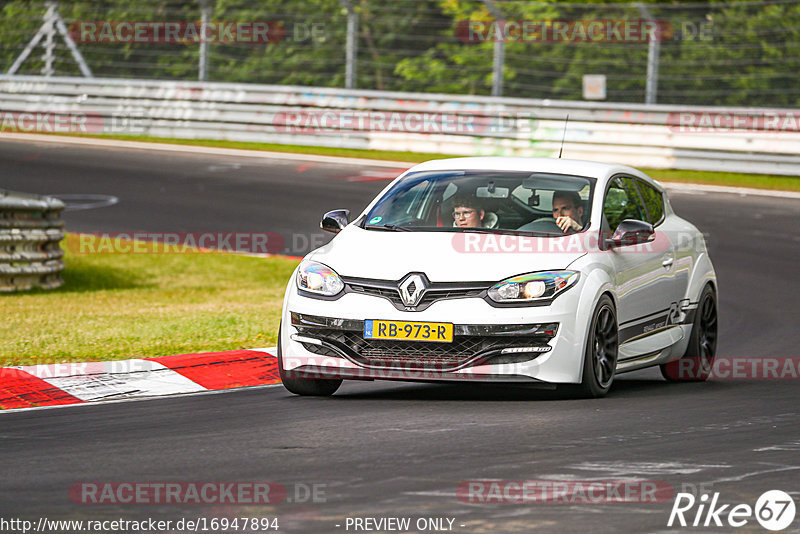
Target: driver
x: 568, y: 211
x: 467, y: 212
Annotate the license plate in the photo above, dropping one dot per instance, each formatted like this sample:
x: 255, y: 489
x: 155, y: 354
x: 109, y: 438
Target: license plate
x: 408, y: 331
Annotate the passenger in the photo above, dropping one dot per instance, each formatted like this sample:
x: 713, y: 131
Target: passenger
x: 568, y: 211
x: 467, y: 212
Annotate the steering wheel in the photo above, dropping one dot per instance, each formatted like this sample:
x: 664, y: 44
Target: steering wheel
x: 545, y: 225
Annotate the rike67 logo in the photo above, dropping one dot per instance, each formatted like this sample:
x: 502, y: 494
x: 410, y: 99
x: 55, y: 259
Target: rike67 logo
x: 774, y: 510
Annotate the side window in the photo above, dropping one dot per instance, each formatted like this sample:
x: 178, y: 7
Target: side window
x: 411, y: 201
x: 622, y: 202
x: 404, y: 207
x: 653, y: 201
x: 449, y: 191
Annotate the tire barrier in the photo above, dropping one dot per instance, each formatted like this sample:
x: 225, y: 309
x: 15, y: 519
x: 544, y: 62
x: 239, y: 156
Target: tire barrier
x: 31, y: 230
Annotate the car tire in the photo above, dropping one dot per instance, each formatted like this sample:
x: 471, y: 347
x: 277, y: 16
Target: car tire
x: 313, y: 387
x: 696, y: 363
x: 601, y: 351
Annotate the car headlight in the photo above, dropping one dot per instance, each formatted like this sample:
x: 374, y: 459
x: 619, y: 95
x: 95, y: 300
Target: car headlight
x: 532, y: 287
x: 318, y: 278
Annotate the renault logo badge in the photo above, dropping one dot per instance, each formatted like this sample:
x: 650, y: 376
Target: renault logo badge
x: 411, y: 289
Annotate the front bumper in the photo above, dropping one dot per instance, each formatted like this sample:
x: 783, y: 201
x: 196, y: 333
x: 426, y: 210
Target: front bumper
x: 328, y: 372
x: 325, y: 338
x: 472, y: 345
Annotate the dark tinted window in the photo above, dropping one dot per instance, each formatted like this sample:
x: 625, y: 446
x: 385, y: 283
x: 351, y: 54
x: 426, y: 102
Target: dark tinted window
x: 653, y: 201
x: 622, y: 202
x: 518, y: 201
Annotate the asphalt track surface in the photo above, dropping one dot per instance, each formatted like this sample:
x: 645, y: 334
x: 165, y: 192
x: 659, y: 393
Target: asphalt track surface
x: 401, y: 450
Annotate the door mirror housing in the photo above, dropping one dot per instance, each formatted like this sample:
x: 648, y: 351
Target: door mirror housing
x: 631, y: 232
x: 335, y: 221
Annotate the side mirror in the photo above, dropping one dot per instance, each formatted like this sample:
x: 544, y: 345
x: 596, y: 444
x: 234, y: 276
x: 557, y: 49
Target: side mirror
x: 335, y: 221
x: 631, y: 232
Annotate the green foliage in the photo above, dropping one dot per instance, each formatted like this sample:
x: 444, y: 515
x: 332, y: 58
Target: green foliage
x: 717, y: 53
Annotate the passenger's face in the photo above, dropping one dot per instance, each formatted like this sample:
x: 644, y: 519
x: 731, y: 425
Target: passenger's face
x: 563, y: 207
x: 467, y: 217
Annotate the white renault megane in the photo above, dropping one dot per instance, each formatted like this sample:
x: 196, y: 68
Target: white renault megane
x: 507, y: 270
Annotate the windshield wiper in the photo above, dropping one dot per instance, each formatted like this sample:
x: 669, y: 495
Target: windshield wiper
x: 390, y: 227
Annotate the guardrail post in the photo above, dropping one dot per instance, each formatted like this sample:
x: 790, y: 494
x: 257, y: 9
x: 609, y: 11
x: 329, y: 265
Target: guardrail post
x: 351, y: 49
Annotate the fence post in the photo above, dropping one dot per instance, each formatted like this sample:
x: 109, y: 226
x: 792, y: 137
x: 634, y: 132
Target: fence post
x: 653, y: 51
x: 351, y: 49
x: 52, y: 22
x: 49, y: 39
x: 205, y: 16
x: 499, y: 55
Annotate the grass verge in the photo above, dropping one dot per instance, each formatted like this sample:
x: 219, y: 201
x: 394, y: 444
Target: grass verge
x: 119, y: 306
x: 758, y: 181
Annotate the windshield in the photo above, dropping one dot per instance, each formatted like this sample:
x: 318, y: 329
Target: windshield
x: 487, y: 201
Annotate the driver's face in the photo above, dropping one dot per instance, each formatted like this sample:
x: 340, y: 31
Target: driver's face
x: 562, y: 207
x: 467, y: 217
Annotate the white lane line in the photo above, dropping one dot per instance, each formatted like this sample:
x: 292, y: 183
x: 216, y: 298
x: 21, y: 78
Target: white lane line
x: 86, y: 201
x: 790, y: 446
x: 739, y: 478
x: 622, y: 468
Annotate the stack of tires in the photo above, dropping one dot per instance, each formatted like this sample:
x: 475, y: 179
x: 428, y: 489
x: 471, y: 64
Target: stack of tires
x: 30, y: 232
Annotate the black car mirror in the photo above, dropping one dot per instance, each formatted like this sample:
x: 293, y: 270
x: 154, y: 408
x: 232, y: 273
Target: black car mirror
x: 631, y: 232
x: 335, y: 221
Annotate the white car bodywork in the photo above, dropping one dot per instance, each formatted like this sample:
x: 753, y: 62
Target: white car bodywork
x: 654, y: 286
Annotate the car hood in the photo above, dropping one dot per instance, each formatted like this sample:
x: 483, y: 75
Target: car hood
x: 443, y: 256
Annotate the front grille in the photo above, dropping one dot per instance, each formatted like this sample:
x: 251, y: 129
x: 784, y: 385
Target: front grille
x: 436, y: 291
x: 433, y: 296
x: 416, y: 355
x: 320, y: 350
x: 386, y: 293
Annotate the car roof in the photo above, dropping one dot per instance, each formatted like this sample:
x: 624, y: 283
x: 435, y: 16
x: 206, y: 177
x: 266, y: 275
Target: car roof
x: 591, y: 169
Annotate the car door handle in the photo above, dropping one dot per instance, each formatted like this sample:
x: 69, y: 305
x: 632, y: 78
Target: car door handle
x: 667, y: 263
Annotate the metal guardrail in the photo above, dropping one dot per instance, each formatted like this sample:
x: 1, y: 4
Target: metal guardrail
x: 635, y: 134
x: 30, y: 232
